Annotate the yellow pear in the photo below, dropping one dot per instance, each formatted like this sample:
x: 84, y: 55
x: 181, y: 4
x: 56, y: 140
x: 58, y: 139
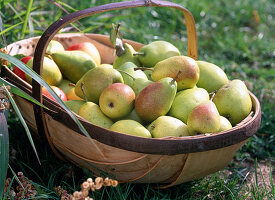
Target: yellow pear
x: 72, y: 96
x: 130, y: 127
x: 149, y: 55
x: 204, y: 118
x: 212, y: 77
x: 165, y: 126
x: 74, y: 105
x: 170, y: 68
x: 91, y: 112
x: 233, y: 101
x: 225, y: 124
x: 51, y: 73
x: 185, y: 101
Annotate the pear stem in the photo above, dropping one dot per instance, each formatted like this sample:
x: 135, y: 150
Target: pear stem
x: 49, y: 56
x: 126, y: 73
x: 143, y: 68
x: 174, y: 79
x: 139, y: 54
x: 82, y: 88
x: 117, y: 28
x: 71, y: 84
x: 212, y: 94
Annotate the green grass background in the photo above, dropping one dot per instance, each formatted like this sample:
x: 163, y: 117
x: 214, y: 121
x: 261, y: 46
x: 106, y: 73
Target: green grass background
x: 229, y: 35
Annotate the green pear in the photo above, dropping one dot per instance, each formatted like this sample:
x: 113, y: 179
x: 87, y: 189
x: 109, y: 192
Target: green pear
x: 156, y: 99
x: 212, y: 77
x: 95, y: 81
x: 117, y: 100
x: 139, y: 84
x: 225, y: 124
x: 165, y: 126
x: 127, y: 56
x: 73, y: 64
x: 133, y: 116
x: 74, y: 105
x: 106, y: 65
x: 170, y: 67
x: 154, y: 52
x: 204, y: 118
x: 54, y: 47
x: 66, y: 85
x: 91, y: 112
x: 50, y: 73
x: 233, y: 101
x: 130, y: 127
x: 129, y: 67
x: 148, y: 74
x: 185, y: 101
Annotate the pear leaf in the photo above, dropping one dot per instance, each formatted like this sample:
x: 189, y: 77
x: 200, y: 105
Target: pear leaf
x: 116, y: 40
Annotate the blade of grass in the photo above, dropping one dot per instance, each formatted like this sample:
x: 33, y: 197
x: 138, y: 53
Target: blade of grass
x: 43, y: 83
x: 8, y: 189
x: 4, y: 151
x: 16, y: 109
x: 15, y: 11
x: 2, y: 29
x: 23, y: 13
x: 264, y: 183
x: 10, y: 28
x: 39, y: 13
x: 26, y: 19
x: 31, y: 28
x: 17, y: 91
x: 271, y: 180
x: 62, y: 8
x: 16, y: 177
x: 66, y: 5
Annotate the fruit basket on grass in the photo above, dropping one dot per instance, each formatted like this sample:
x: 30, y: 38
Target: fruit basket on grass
x: 168, y: 161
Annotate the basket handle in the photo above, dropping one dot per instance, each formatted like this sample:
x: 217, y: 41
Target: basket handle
x: 192, y: 46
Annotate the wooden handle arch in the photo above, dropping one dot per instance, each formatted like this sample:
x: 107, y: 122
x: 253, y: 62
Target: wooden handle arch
x: 192, y: 49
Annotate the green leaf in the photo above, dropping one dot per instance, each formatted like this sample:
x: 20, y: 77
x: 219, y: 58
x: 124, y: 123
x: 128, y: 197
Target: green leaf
x: 67, y: 5
x: 113, y: 35
x: 43, y: 83
x: 17, y: 111
x: 17, y: 91
x: 16, y: 178
x: 26, y: 19
x: 4, y: 151
x: 6, y: 2
x: 10, y: 28
x: 2, y: 29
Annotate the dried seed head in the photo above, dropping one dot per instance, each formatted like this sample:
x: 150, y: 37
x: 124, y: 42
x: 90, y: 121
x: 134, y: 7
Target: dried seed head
x: 107, y: 182
x: 91, y: 185
x: 85, y: 193
x: 3, y: 61
x: 93, y: 188
x: 20, y: 173
x: 114, y: 183
x: 98, y: 182
x: 98, y: 186
x: 90, y: 180
x: 85, y: 186
x: 76, y: 194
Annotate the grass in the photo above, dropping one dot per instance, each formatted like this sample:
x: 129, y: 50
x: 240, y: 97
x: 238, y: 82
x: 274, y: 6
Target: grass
x: 238, y: 37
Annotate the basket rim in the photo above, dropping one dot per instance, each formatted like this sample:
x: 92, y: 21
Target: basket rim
x: 163, y: 146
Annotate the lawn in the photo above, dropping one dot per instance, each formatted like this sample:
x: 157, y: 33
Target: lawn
x: 238, y: 37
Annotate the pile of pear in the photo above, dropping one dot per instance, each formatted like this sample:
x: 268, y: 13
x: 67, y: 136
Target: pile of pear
x: 154, y: 92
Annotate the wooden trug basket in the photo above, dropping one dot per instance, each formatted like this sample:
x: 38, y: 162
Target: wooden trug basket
x: 168, y: 161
